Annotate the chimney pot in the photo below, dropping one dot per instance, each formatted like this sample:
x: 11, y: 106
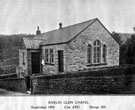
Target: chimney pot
x: 60, y: 25
x: 38, y: 28
x: 38, y: 32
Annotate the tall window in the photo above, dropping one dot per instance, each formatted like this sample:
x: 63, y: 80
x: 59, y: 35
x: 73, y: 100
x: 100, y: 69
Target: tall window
x: 96, y: 52
x: 104, y: 53
x: 46, y: 55
x: 89, y: 53
x: 23, y: 59
x: 51, y: 56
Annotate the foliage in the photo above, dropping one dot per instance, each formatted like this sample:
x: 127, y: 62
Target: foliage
x: 130, y: 51
x: 127, y: 48
x: 9, y: 52
x: 117, y: 37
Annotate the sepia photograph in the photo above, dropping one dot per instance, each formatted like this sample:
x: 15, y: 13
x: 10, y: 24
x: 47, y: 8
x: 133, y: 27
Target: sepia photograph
x: 64, y: 48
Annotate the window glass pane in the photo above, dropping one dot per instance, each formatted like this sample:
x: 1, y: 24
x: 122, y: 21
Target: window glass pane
x: 46, y: 55
x: 98, y: 60
x: 98, y: 43
x: 104, y: 53
x: 98, y: 54
x: 23, y: 58
x: 95, y: 43
x: 94, y: 60
x: 51, y: 56
x: 89, y: 61
x: 94, y: 49
x: 89, y: 54
x: 89, y: 50
x: 97, y: 51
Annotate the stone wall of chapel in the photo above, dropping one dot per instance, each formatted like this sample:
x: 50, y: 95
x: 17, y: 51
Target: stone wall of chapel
x: 77, y: 49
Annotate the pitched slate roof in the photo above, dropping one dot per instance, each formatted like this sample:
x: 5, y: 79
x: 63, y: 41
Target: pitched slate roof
x: 65, y: 34
x: 32, y: 43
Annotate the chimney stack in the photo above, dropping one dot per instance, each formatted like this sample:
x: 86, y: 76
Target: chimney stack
x: 60, y: 25
x: 38, y: 32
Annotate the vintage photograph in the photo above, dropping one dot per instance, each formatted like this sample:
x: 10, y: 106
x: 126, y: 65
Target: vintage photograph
x: 67, y: 47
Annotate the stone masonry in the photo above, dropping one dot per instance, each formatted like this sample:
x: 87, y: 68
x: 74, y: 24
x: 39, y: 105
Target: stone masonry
x: 75, y: 51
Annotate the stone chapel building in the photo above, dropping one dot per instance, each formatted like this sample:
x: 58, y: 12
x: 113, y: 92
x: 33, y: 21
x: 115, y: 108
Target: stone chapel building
x: 81, y: 46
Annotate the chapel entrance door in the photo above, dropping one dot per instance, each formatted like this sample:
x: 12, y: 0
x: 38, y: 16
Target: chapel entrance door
x: 60, y: 61
x: 35, y: 62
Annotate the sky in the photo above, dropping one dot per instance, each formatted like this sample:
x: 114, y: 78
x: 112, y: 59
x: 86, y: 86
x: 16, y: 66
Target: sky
x: 23, y: 16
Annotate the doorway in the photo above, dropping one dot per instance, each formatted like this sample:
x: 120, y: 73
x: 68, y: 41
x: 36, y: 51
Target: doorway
x: 28, y: 82
x: 60, y: 61
x: 35, y: 62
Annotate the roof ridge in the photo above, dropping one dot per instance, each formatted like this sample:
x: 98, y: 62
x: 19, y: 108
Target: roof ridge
x: 30, y: 39
x: 68, y: 26
x: 65, y: 34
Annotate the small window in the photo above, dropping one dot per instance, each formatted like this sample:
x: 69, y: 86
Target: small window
x: 51, y: 56
x: 46, y: 55
x: 104, y: 53
x: 89, y: 54
x: 96, y: 52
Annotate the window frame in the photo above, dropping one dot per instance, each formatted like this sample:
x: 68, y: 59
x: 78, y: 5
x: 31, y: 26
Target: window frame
x: 47, y: 56
x: 51, y: 56
x: 104, y: 53
x: 96, y: 52
x: 23, y: 55
x: 89, y: 54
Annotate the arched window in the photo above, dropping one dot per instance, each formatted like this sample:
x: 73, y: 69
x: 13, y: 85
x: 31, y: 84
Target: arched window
x: 89, y: 53
x: 96, y: 52
x: 104, y: 54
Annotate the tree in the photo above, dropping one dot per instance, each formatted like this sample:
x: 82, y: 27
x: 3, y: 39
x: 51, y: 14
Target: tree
x: 117, y: 37
x: 130, y: 54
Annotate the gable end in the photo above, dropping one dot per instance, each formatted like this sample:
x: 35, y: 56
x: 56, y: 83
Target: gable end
x: 81, y: 31
x: 107, y: 30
